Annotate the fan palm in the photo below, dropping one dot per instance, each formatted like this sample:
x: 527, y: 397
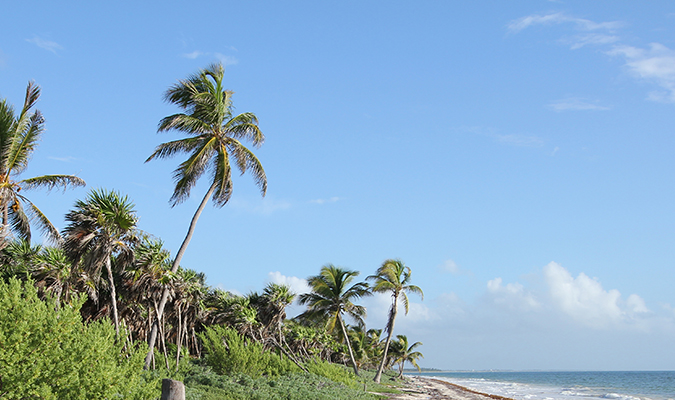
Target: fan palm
x: 100, y: 227
x: 331, y: 297
x: 19, y: 136
x: 213, y: 144
x: 393, y: 277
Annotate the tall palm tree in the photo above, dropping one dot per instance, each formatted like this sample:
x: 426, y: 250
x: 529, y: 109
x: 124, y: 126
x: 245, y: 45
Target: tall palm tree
x: 100, y: 227
x: 393, y: 277
x: 331, y: 297
x: 405, y: 353
x: 19, y: 136
x: 214, y: 140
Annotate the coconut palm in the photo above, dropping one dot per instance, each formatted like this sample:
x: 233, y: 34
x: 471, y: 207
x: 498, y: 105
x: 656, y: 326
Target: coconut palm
x: 331, y: 297
x: 393, y: 277
x: 213, y: 144
x: 404, y: 353
x: 19, y: 136
x: 100, y: 227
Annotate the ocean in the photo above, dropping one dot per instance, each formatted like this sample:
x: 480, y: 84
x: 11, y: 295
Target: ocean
x: 568, y: 385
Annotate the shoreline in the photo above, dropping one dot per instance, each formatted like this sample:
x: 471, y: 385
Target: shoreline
x: 422, y: 388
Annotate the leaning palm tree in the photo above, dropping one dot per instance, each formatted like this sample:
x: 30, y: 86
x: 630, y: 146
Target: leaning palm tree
x: 393, y: 277
x: 331, y: 297
x: 19, y: 136
x: 213, y: 144
x: 100, y: 227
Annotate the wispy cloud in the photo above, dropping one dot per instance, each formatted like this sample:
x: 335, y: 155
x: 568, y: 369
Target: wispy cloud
x: 513, y: 139
x: 655, y: 64
x: 265, y: 206
x: 597, y: 39
x: 561, y: 18
x: 62, y: 159
x: 576, y: 104
x: 334, y: 199
x: 45, y: 44
x: 192, y: 55
x: 226, y: 60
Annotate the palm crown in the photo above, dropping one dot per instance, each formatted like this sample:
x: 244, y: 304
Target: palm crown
x: 19, y: 136
x: 215, y: 136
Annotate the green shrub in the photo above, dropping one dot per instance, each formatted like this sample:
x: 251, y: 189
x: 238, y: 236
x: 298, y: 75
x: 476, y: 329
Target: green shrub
x: 335, y: 372
x: 47, y: 352
x: 228, y: 353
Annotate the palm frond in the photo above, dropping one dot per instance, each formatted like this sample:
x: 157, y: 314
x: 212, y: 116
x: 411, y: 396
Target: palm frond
x: 42, y: 221
x: 52, y: 181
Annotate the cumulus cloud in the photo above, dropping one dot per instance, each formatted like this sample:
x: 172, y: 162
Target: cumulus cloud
x: 586, y: 301
x: 297, y: 285
x: 512, y: 296
x: 45, y: 44
x: 655, y: 64
x: 576, y: 104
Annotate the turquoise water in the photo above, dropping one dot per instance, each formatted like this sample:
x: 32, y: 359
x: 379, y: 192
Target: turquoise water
x: 613, y: 385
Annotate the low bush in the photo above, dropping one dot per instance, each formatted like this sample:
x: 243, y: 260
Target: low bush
x: 229, y: 353
x: 46, y: 352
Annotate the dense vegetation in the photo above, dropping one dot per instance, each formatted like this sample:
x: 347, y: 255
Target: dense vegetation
x: 79, y: 315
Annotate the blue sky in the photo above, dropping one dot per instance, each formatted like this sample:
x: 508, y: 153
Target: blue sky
x: 517, y: 156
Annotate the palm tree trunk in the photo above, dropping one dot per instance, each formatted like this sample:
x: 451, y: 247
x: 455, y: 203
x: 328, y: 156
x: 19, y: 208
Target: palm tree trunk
x: 113, y: 296
x: 178, y: 337
x: 174, y: 268
x: 349, y: 345
x: 390, y: 332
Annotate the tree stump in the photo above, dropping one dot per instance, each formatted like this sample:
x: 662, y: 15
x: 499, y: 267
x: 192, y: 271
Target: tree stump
x: 172, y: 390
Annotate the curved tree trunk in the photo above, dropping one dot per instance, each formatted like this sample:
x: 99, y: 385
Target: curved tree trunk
x: 390, y: 332
x: 176, y: 263
x: 113, y: 296
x: 349, y: 345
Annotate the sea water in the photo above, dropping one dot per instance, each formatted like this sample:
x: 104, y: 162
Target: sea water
x: 592, y: 385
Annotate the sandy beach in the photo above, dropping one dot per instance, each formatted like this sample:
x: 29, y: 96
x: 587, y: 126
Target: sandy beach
x: 418, y: 388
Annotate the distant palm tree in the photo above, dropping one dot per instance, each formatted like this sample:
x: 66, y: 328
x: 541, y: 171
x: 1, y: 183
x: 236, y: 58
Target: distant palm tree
x: 404, y: 353
x: 100, y: 227
x: 19, y: 136
x: 214, y: 142
x: 331, y: 297
x: 392, y: 277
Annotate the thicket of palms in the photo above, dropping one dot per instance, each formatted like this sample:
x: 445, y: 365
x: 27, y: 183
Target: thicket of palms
x: 213, y: 144
x: 393, y: 277
x: 99, y: 228
x: 331, y: 297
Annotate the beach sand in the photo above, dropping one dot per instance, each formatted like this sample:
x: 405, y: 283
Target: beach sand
x: 418, y: 388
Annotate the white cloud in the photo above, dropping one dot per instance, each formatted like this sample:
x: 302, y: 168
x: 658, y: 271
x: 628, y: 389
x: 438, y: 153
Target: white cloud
x: 297, y: 285
x: 586, y: 301
x: 509, y: 139
x: 450, y: 266
x: 226, y: 60
x: 266, y: 206
x: 519, y: 140
x: 63, y: 159
x: 576, y: 104
x: 655, y: 64
x: 598, y: 39
x: 512, y: 296
x: 193, y: 55
x: 45, y: 44
x: 333, y: 199
x: 560, y: 18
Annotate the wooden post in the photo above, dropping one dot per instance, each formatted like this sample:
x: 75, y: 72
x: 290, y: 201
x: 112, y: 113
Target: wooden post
x: 172, y: 390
